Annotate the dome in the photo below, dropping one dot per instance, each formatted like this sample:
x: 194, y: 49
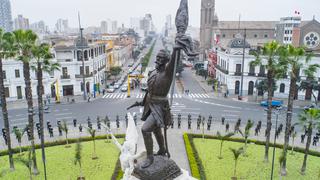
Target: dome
x: 238, y: 42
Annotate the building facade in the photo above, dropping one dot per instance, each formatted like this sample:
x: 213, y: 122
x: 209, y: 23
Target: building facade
x: 5, y: 16
x: 69, y: 80
x: 228, y: 71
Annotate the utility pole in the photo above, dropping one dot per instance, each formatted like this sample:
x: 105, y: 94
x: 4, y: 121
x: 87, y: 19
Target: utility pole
x: 82, y: 58
x: 242, y: 64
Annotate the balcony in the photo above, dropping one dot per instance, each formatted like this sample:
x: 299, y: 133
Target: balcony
x: 65, y: 76
x: 222, y: 70
x: 237, y: 73
x: 81, y: 76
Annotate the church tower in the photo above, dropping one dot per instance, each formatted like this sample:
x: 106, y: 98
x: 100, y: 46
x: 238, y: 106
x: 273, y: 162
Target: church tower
x: 207, y: 24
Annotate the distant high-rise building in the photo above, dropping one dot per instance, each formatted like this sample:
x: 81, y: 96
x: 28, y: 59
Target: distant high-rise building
x: 39, y: 27
x: 114, y: 26
x: 104, y: 27
x: 135, y: 23
x: 5, y: 15
x: 288, y: 30
x: 169, y: 21
x: 62, y: 25
x: 146, y: 24
x: 21, y: 23
x: 207, y: 23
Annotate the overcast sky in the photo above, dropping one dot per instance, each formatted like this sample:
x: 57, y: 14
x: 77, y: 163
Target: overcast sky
x: 94, y: 11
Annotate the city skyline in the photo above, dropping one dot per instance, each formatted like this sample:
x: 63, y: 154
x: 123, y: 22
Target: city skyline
x: 159, y: 9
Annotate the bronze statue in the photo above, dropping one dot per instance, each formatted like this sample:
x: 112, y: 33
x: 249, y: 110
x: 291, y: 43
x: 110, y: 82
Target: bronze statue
x: 156, y: 112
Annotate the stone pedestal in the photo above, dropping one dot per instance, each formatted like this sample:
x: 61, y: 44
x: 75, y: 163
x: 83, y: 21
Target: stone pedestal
x: 162, y: 168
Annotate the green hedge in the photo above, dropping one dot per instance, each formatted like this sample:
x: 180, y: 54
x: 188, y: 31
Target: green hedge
x: 145, y: 60
x: 195, y: 163
x: 58, y: 143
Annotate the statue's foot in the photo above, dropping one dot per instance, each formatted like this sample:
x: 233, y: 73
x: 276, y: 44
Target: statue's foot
x: 147, y: 162
x: 161, y: 152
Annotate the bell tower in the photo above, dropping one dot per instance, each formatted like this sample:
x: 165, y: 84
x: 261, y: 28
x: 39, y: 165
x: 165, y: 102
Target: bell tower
x: 207, y: 23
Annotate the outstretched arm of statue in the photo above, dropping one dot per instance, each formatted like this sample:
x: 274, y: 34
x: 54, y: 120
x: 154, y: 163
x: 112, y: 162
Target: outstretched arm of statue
x: 170, y: 65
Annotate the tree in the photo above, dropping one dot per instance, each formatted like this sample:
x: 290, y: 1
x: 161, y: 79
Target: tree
x: 78, y: 157
x: 42, y: 63
x: 310, y: 119
x: 246, y: 134
x: 262, y: 86
x: 24, y: 41
x: 19, y: 134
x: 6, y: 50
x: 275, y: 69
x: 114, y: 71
x: 296, y: 58
x: 222, y: 139
x: 310, y: 85
x: 27, y: 162
x: 236, y: 154
x: 64, y: 128
x: 92, y: 133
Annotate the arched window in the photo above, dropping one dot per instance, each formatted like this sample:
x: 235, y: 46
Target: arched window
x: 282, y: 87
x: 250, y: 88
x: 236, y: 89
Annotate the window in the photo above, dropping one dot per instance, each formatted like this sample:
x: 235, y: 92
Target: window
x: 81, y: 70
x: 282, y: 88
x: 233, y: 35
x: 262, y: 70
x: 251, y: 70
x: 4, y: 75
x: 223, y: 35
x: 237, y: 87
x: 87, y: 70
x: 6, y: 91
x: 266, y: 36
x: 17, y: 73
x: 255, y: 36
x: 65, y: 71
x: 238, y: 68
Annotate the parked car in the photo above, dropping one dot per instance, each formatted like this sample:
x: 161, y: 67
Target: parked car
x: 311, y: 106
x: 274, y: 103
x: 124, y: 88
x: 110, y: 89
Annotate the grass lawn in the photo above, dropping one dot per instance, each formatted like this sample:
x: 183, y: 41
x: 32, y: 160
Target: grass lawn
x: 60, y: 162
x: 252, y: 166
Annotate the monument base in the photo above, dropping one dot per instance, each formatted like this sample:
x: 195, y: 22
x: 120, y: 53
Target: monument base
x: 161, y: 168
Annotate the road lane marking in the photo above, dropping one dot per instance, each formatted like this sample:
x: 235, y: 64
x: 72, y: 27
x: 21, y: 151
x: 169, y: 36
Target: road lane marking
x: 62, y: 114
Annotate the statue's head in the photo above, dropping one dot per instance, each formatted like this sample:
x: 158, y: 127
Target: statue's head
x: 162, y: 58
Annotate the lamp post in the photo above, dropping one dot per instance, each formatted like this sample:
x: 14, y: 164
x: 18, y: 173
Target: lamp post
x: 278, y: 111
x: 242, y: 63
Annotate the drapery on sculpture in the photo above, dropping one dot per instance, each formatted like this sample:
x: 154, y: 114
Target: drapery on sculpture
x: 156, y: 113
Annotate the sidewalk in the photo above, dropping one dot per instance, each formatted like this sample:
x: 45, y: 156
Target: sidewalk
x: 249, y: 99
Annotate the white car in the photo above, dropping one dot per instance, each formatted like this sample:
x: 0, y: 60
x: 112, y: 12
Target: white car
x: 124, y: 88
x: 110, y: 89
x: 116, y: 85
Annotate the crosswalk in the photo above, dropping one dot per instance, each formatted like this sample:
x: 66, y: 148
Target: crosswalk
x: 141, y: 95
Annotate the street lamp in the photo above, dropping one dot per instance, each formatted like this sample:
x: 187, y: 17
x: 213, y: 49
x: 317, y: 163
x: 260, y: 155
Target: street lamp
x: 277, y: 112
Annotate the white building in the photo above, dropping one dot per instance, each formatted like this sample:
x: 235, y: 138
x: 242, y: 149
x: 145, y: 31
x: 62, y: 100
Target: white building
x: 228, y: 72
x: 21, y: 23
x: 5, y: 15
x: 70, y: 77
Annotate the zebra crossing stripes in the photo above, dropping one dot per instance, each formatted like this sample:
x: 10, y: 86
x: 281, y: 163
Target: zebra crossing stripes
x: 141, y: 95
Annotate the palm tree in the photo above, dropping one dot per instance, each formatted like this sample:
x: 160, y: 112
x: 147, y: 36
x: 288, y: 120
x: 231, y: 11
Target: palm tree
x: 92, y: 133
x: 27, y: 162
x: 246, y: 134
x: 6, y: 50
x: 43, y: 63
x: 236, y: 154
x: 311, y: 119
x: 64, y: 128
x: 19, y: 134
x: 78, y: 157
x: 275, y: 69
x: 222, y: 139
x: 294, y: 135
x: 24, y: 41
x: 297, y: 58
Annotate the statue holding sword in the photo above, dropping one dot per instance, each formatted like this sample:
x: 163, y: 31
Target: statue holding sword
x: 156, y: 113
